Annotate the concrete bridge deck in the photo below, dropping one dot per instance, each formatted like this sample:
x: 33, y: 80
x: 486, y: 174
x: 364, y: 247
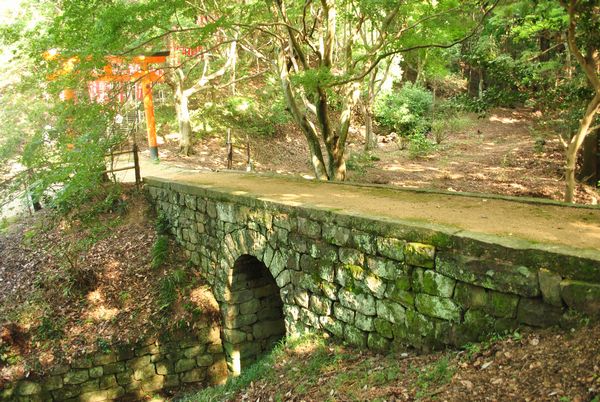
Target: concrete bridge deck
x: 550, y: 224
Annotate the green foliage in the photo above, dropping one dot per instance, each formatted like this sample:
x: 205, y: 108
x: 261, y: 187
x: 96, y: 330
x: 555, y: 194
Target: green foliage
x: 162, y: 224
x: 419, y: 146
x: 359, y: 162
x: 170, y: 286
x: 406, y: 111
x: 159, y: 252
x: 104, y: 345
x: 444, y: 126
x: 434, y: 375
x: 257, y: 115
x: 48, y: 329
x: 261, y: 369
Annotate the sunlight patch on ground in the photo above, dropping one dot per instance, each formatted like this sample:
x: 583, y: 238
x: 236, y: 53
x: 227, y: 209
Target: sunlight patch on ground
x: 398, y: 168
x: 592, y: 230
x: 504, y: 120
x: 103, y: 313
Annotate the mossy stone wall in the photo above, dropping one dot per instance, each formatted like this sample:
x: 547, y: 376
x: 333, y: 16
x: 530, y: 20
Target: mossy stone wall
x: 129, y: 372
x: 377, y: 283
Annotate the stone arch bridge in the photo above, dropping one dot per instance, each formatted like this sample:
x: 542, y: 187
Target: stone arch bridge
x: 375, y: 266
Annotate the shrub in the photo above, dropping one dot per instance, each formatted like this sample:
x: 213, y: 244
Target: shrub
x: 444, y: 126
x: 419, y: 145
x: 405, y: 111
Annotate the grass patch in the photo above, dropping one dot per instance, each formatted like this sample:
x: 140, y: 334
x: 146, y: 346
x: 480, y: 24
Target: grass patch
x: 433, y: 376
x: 264, y: 369
x: 160, y: 251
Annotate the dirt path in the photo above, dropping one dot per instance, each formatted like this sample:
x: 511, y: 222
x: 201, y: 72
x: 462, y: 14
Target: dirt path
x: 575, y: 227
x: 500, y: 153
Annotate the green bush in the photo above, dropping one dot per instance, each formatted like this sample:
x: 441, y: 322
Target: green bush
x: 419, y: 145
x: 406, y: 111
x: 444, y: 126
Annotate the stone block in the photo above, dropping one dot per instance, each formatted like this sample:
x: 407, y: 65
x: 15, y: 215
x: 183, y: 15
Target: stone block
x: 139, y: 362
x: 391, y: 248
x: 324, y: 252
x: 342, y: 313
x: 28, y: 388
x: 363, y: 322
x: 204, y: 360
x: 537, y: 313
x: 249, y: 307
x: 349, y: 275
x: 183, y: 365
x: 142, y: 373
x: 502, y: 304
x: 391, y: 311
x: 432, y: 283
x: 351, y: 256
x: 437, y: 307
x: 125, y: 377
x: 96, y: 372
x: 309, y: 228
x: 363, y: 241
x: 329, y: 290
x: 154, y: 383
x: 309, y: 318
x: 419, y: 255
x: 550, y: 287
x: 470, y: 296
x: 352, y: 299
x: 194, y: 351
x: 234, y: 335
x: 113, y: 368
x: 165, y: 367
x: 76, y: 377
x: 217, y: 372
x: 418, y: 324
x: 195, y: 375
x: 493, y: 275
x: 334, y: 326
x: 340, y: 236
x: 53, y: 382
x: 109, y: 381
x: 377, y: 342
x: 384, y: 268
x: 383, y: 327
x: 320, y: 305
x: 266, y: 329
x: 375, y: 285
x: 355, y: 336
x: 582, y: 296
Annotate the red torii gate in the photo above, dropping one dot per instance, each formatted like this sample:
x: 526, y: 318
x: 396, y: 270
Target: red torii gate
x: 146, y: 76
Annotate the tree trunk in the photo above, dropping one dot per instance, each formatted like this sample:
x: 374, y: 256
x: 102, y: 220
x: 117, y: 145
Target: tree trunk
x: 575, y: 145
x: 480, y: 87
x: 370, y: 139
x: 185, y: 126
x: 308, y: 129
x: 183, y: 117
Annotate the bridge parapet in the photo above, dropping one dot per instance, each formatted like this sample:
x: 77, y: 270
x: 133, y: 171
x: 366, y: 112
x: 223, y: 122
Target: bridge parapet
x: 371, y: 281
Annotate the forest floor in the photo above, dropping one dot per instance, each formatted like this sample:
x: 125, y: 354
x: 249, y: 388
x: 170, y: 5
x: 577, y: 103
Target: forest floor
x: 71, y: 285
x: 541, y: 365
x: 503, y: 152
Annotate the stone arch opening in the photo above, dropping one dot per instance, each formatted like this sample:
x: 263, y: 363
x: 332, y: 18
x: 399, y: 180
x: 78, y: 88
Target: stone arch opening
x: 253, y: 319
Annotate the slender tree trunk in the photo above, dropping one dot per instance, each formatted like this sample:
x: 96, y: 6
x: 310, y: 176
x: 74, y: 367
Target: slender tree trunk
x: 480, y: 88
x: 185, y: 126
x: 370, y: 139
x: 183, y: 118
x: 575, y: 145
